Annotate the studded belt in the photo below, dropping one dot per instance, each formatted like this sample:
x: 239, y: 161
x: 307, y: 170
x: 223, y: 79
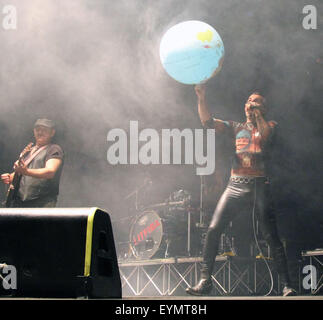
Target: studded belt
x: 242, y: 179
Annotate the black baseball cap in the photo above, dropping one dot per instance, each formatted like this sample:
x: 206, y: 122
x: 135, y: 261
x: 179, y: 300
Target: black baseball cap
x: 45, y: 122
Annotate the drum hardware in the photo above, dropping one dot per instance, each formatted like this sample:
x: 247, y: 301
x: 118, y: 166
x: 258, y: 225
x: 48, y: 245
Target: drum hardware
x: 178, y: 201
x: 124, y: 251
x: 167, y: 204
x: 227, y: 245
x: 158, y: 230
x: 124, y: 219
x: 185, y: 198
x: 146, y: 234
x: 189, y: 233
x: 147, y: 182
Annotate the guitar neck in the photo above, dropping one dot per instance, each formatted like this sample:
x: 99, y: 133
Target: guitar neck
x: 14, y: 185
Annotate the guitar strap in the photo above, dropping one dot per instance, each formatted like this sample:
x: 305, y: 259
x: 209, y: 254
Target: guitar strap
x: 29, y: 158
x: 32, y: 156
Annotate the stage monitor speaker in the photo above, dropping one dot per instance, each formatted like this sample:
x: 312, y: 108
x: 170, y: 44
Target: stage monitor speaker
x: 59, y: 252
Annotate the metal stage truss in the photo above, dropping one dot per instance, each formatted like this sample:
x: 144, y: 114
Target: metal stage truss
x: 233, y: 276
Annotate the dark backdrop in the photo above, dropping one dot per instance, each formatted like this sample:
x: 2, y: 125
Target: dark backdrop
x: 94, y: 65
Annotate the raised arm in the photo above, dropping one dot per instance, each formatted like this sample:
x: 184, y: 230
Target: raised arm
x: 203, y: 110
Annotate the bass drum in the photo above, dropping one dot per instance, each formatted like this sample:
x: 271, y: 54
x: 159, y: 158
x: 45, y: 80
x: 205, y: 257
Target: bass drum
x: 155, y: 235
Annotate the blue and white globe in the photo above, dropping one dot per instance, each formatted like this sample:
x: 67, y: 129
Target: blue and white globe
x: 191, y: 52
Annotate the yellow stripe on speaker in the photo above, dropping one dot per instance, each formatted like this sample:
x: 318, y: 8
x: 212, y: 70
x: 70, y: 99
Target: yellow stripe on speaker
x: 88, y: 243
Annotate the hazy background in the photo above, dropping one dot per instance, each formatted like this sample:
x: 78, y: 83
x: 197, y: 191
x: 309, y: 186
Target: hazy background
x: 94, y: 65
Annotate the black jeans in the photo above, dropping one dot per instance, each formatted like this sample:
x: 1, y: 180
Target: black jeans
x: 239, y: 198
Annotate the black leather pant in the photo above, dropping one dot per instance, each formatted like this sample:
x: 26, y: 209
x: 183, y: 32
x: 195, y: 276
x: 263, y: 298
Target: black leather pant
x: 239, y: 198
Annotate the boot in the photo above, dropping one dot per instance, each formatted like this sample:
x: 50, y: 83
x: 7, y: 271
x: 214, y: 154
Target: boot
x: 281, y: 267
x: 287, y: 289
x: 288, y: 292
x: 204, y: 286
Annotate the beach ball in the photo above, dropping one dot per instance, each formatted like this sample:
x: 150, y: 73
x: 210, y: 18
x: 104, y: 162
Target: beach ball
x: 191, y: 52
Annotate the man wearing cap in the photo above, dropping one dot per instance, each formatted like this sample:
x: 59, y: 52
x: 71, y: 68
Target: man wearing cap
x: 40, y: 170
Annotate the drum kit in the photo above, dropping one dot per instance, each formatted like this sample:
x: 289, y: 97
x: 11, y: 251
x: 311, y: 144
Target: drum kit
x: 173, y: 228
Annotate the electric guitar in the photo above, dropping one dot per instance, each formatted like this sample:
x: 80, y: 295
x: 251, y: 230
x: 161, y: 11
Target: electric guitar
x: 14, y: 185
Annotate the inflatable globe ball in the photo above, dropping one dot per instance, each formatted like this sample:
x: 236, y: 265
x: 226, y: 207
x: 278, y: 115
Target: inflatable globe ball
x: 191, y: 52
